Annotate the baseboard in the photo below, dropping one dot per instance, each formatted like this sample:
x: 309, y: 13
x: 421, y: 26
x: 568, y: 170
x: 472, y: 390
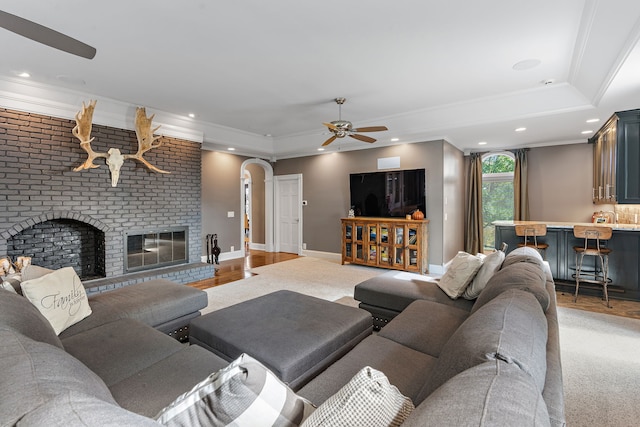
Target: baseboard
x: 331, y: 256
x: 225, y: 256
x: 257, y: 246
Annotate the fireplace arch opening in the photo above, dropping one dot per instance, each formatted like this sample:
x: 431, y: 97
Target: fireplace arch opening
x: 62, y: 242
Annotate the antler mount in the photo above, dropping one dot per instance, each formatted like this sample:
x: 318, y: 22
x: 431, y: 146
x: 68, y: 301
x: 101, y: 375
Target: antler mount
x: 115, y: 159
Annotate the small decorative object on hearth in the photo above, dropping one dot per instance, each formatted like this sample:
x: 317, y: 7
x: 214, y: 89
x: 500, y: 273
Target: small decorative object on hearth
x: 216, y: 249
x: 115, y: 159
x: 351, y: 214
x: 417, y: 215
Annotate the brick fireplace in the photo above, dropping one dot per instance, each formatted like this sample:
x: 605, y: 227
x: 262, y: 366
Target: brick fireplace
x: 40, y: 193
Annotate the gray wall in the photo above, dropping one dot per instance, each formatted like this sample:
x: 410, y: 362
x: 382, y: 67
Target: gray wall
x: 220, y: 195
x: 326, y: 188
x: 561, y: 182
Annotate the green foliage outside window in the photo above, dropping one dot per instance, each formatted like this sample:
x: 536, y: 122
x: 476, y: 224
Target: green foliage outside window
x: 497, y: 194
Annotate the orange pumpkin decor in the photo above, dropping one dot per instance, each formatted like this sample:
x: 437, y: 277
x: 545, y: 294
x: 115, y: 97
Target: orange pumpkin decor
x: 417, y: 215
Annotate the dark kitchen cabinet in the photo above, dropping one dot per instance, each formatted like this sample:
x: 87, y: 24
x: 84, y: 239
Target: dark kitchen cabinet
x: 616, y: 156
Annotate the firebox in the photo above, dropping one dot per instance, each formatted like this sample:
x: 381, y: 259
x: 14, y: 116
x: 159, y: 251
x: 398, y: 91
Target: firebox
x: 147, y: 249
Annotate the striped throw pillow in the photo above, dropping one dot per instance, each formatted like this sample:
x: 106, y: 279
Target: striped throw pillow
x: 245, y: 393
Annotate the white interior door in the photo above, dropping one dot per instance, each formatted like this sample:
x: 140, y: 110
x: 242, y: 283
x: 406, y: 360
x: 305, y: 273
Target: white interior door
x: 288, y: 211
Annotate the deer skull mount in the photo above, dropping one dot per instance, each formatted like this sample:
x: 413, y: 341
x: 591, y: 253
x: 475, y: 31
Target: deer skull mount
x: 114, y: 158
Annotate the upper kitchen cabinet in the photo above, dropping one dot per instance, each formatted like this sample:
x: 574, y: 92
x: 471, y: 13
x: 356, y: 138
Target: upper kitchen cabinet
x: 616, y: 156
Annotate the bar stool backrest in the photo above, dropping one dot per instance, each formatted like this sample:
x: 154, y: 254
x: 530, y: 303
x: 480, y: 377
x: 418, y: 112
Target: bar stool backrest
x: 531, y: 230
x: 594, y: 232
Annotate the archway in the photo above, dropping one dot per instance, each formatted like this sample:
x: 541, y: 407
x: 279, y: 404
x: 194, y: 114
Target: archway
x: 268, y: 200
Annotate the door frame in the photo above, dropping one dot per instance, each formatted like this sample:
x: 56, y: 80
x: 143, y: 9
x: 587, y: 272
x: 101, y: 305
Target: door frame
x: 278, y: 179
x: 268, y: 203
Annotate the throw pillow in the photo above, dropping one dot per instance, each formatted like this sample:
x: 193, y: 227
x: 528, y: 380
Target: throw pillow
x: 366, y: 400
x: 240, y: 394
x: 12, y: 283
x: 60, y: 297
x: 34, y: 272
x: 490, y: 265
x: 461, y: 272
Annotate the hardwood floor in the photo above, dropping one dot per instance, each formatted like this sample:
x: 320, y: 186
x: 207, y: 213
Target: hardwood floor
x: 238, y: 269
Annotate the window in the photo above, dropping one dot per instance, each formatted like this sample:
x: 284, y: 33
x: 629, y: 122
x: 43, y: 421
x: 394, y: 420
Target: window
x: 497, y: 193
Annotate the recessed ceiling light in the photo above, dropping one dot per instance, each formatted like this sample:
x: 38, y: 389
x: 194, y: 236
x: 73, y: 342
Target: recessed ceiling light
x: 527, y: 64
x: 231, y: 149
x: 24, y: 74
x: 320, y: 149
x: 585, y: 132
x: 520, y: 129
x: 593, y: 120
x: 482, y: 143
x: 395, y: 139
x: 192, y: 115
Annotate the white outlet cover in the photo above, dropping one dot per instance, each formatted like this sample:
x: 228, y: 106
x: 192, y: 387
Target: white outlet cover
x: 231, y: 214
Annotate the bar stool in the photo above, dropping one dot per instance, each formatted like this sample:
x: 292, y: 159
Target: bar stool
x: 598, y: 235
x: 533, y: 230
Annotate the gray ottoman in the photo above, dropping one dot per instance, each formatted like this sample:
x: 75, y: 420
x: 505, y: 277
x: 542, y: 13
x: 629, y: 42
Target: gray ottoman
x: 294, y: 335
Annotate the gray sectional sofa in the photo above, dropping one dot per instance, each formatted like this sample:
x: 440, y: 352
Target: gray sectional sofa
x: 495, y: 362
x: 118, y: 366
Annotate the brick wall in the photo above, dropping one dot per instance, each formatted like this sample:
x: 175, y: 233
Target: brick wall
x: 37, y: 182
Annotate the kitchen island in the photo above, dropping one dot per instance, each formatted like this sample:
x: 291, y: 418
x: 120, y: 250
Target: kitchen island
x: 624, y: 261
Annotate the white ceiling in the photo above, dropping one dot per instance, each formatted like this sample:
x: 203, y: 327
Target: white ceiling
x: 261, y: 76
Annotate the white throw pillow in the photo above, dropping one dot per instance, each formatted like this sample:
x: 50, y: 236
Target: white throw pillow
x: 461, y: 272
x: 240, y: 394
x: 490, y: 265
x: 366, y: 400
x: 59, y: 296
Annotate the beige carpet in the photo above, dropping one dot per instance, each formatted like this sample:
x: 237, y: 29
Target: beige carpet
x: 311, y: 276
x: 601, y: 368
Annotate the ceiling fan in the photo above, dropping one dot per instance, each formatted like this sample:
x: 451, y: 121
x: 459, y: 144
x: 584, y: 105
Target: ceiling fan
x: 45, y: 35
x: 342, y: 128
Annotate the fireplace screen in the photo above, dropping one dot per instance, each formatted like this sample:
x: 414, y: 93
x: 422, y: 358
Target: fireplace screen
x: 152, y: 249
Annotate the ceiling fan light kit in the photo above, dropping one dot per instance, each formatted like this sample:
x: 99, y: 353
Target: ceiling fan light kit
x: 341, y: 128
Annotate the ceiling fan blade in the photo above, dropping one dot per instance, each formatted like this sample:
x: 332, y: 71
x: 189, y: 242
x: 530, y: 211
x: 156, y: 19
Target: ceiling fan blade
x: 371, y: 129
x: 44, y: 35
x: 331, y: 126
x: 329, y: 141
x: 362, y: 138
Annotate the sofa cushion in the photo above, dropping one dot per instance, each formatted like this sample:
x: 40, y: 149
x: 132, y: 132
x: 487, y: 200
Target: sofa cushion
x: 425, y: 326
x: 395, y: 290
x: 17, y: 313
x: 523, y: 254
x: 524, y: 276
x: 154, y: 387
x: 78, y: 409
x: 120, y: 349
x: 239, y: 394
x: 511, y: 327
x: 34, y: 372
x: 460, y: 273
x: 368, y: 399
x: 59, y: 296
x: 405, y: 368
x: 490, y: 265
x: 493, y: 393
x: 154, y: 303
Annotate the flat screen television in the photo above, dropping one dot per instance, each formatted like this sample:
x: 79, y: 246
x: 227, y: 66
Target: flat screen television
x: 388, y: 194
